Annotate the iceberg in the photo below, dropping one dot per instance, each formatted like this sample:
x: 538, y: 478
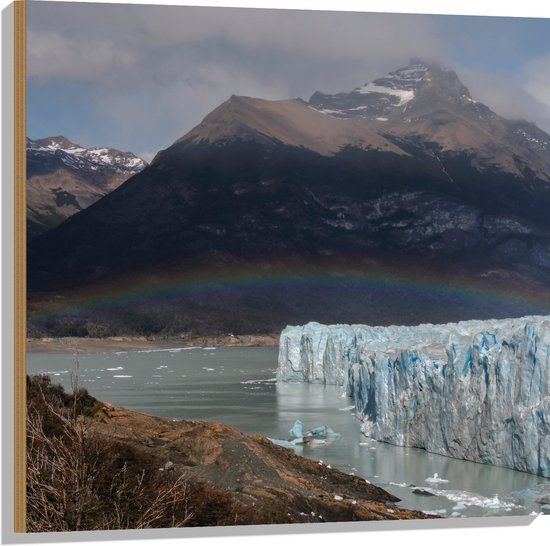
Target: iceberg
x: 296, y: 431
x: 474, y: 390
x: 316, y: 436
x: 283, y: 443
x: 323, y: 432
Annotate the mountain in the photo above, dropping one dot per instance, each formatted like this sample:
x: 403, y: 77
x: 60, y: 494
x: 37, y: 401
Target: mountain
x: 64, y: 178
x: 406, y: 177
x: 431, y: 104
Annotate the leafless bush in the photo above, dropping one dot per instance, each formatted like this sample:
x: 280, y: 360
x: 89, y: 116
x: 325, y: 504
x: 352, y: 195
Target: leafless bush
x: 77, y: 480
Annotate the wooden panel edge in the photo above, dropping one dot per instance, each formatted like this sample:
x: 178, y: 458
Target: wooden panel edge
x: 20, y: 23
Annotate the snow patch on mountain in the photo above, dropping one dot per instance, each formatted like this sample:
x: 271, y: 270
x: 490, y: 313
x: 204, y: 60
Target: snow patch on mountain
x: 404, y: 95
x: 377, y: 98
x: 79, y: 157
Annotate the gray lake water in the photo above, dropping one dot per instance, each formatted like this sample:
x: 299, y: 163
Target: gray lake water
x: 237, y: 386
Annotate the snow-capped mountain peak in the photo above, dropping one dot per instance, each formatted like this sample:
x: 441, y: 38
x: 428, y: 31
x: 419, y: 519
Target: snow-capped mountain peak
x: 390, y: 95
x: 401, y: 83
x: 53, y: 143
x: 64, y: 178
x: 76, y: 156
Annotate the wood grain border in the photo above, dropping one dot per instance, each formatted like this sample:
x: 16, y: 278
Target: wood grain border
x: 20, y: 285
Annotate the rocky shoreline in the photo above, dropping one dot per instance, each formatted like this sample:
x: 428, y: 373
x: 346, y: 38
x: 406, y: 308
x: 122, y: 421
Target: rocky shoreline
x: 93, y: 465
x: 140, y: 343
x: 278, y: 485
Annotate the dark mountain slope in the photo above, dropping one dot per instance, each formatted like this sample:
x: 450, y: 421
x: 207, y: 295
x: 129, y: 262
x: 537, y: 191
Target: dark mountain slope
x: 236, y: 204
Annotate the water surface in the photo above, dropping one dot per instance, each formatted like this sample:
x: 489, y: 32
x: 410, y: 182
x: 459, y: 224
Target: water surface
x: 237, y: 386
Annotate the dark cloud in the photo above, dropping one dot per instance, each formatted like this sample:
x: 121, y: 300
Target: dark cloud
x: 508, y: 97
x: 152, y: 72
x: 538, y: 78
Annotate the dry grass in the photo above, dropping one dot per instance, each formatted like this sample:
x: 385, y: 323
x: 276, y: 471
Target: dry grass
x: 79, y: 481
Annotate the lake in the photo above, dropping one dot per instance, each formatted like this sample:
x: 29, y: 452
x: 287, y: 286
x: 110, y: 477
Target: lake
x: 237, y: 386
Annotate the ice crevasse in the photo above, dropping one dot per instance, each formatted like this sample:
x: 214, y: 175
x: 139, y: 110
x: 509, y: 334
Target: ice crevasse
x: 474, y: 390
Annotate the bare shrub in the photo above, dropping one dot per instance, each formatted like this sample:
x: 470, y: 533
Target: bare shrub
x: 78, y: 480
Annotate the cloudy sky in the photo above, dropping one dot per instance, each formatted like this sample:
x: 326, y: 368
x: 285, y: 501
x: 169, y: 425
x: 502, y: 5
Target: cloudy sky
x: 137, y: 77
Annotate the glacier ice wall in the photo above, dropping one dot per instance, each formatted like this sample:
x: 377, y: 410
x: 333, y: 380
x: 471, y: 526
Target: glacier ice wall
x: 475, y: 390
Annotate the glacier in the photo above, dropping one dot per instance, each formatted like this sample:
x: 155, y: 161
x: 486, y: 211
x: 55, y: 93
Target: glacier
x: 474, y: 390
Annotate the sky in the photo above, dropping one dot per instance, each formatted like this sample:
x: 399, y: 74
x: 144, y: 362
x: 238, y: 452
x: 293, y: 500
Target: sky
x: 138, y: 77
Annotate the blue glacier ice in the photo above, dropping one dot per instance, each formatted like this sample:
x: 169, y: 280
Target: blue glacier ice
x: 474, y: 390
x: 297, y: 437
x: 297, y: 430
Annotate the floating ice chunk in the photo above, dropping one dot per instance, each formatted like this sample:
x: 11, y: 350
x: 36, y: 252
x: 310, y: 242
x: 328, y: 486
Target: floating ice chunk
x: 313, y: 442
x: 283, y: 443
x: 463, y: 499
x: 436, y: 479
x: 118, y: 368
x: 322, y: 432
x: 317, y: 436
x: 297, y: 430
x: 123, y: 376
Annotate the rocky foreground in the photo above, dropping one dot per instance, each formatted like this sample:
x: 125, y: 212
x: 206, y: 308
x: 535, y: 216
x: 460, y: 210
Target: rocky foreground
x: 96, y: 466
x: 269, y: 484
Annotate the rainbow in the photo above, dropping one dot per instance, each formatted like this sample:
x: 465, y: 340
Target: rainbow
x: 376, y: 280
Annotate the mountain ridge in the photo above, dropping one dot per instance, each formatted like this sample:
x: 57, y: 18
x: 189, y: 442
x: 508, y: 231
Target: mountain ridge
x: 290, y: 122
x: 440, y: 110
x: 423, y: 99
x: 64, y: 178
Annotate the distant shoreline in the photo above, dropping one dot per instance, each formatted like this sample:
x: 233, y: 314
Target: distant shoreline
x: 138, y: 343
